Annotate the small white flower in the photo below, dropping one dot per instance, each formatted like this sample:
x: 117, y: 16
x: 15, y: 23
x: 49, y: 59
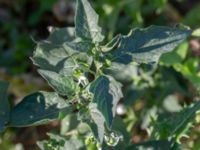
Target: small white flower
x: 82, y: 80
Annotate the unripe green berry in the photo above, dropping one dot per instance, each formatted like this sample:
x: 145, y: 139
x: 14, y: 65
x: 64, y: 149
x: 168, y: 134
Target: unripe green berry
x: 87, y: 141
x: 98, y: 145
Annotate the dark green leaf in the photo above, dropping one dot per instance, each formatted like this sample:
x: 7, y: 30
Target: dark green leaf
x: 4, y: 105
x: 77, y: 46
x: 38, y: 108
x: 107, y: 93
x: 147, y: 45
x: 63, y: 85
x: 58, y: 36
x: 86, y: 22
x: 154, y: 145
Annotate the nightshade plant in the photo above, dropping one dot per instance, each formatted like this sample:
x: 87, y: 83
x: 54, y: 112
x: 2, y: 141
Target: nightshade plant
x: 75, y: 64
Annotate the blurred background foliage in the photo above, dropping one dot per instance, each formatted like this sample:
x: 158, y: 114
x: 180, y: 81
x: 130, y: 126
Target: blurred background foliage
x: 149, y: 89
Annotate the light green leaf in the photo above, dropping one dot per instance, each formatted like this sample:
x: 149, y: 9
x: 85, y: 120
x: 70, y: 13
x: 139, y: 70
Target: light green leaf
x: 38, y: 108
x: 147, y: 45
x: 4, y: 105
x: 176, y: 56
x: 97, y: 126
x: 63, y: 85
x: 86, y: 22
x: 196, y: 32
x: 106, y: 94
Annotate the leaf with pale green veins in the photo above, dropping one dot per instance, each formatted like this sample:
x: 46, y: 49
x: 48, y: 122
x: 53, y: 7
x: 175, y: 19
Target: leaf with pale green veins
x: 4, y: 105
x: 106, y: 94
x: 147, y: 45
x: 63, y: 85
x: 86, y: 22
x: 38, y: 108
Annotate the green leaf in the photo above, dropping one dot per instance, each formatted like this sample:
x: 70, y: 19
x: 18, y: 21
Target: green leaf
x: 58, y: 36
x: 106, y: 94
x: 147, y: 45
x: 192, y: 17
x: 155, y: 145
x: 176, y: 56
x: 49, y: 56
x: 196, y: 32
x: 55, y: 53
x: 80, y: 46
x: 38, y: 108
x: 4, y: 105
x: 97, y: 126
x: 63, y: 85
x: 69, y: 123
x: 175, y: 124
x: 86, y: 22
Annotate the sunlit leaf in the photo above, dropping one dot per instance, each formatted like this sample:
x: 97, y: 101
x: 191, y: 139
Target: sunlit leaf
x: 38, y: 108
x: 147, y: 45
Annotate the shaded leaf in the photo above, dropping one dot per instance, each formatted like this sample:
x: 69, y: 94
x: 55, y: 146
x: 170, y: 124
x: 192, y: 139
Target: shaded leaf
x: 4, y: 105
x: 38, y: 108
